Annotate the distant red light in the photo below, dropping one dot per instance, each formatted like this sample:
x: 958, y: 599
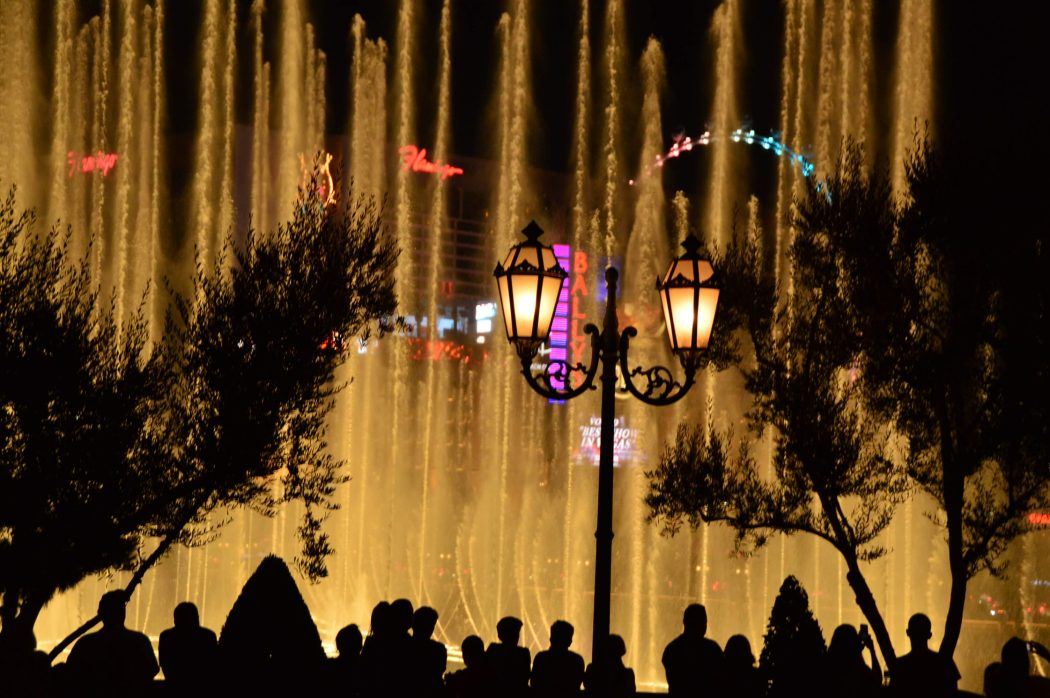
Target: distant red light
x: 333, y: 342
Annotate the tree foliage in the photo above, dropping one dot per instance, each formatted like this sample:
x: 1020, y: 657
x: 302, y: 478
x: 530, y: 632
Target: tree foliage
x: 831, y: 472
x: 793, y: 644
x: 269, y: 632
x: 950, y: 315
x: 115, y: 448
x: 75, y: 485
x: 911, y: 354
x: 250, y: 388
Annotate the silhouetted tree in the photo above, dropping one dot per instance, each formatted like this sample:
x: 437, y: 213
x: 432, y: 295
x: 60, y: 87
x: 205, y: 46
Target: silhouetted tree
x: 833, y: 477
x: 107, y: 445
x: 793, y: 644
x: 943, y: 293
x: 269, y: 638
x: 76, y: 487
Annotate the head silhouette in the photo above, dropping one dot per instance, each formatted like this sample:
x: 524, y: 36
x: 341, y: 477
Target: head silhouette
x: 738, y: 652
x: 400, y: 616
x: 615, y: 649
x: 845, y: 642
x: 920, y: 630
x: 473, y: 651
x: 508, y: 630
x: 111, y: 609
x: 695, y: 620
x: 561, y: 634
x: 348, y: 641
x: 187, y: 616
x: 380, y: 622
x: 424, y: 620
x: 1015, y: 658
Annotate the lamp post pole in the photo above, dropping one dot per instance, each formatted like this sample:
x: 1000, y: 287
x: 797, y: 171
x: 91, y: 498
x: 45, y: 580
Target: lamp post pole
x: 689, y: 316
x: 603, y: 532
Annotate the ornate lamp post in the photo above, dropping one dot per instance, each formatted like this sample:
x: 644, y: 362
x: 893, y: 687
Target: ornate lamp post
x: 529, y: 281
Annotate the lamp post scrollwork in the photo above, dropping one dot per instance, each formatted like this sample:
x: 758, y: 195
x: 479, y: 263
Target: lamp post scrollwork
x: 529, y: 281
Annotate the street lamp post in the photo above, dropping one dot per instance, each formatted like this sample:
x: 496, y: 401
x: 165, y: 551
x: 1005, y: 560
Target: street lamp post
x: 529, y: 281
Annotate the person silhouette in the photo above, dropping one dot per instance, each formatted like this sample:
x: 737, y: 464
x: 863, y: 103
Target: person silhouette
x: 923, y: 673
x: 741, y: 677
x: 188, y: 652
x: 343, y: 672
x: 843, y: 670
x: 401, y: 619
x: 374, y: 651
x: 474, y: 680
x: 607, y: 676
x: 509, y: 663
x: 387, y: 653
x: 558, y: 671
x: 429, y: 657
x: 114, y: 661
x: 693, y: 663
x: 1011, y: 677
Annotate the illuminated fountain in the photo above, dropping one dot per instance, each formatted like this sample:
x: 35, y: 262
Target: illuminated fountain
x: 467, y: 492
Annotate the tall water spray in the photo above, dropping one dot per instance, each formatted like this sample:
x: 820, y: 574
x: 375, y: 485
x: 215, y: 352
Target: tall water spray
x: 19, y: 82
x: 436, y: 379
x: 213, y: 156
x: 614, y: 70
x: 648, y: 248
x: 913, y: 96
x: 580, y: 239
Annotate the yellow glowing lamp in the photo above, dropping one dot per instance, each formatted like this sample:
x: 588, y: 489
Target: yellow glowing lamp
x: 689, y: 302
x: 529, y: 281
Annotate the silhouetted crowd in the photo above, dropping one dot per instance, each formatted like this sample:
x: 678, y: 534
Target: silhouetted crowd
x: 399, y: 657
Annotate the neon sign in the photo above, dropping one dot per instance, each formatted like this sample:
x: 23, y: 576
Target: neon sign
x: 579, y: 290
x: 682, y: 143
x: 326, y: 188
x: 559, y: 337
x: 99, y: 162
x: 625, y: 440
x: 415, y: 160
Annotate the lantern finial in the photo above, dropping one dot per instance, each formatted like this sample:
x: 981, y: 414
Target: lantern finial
x: 532, y: 231
x: 691, y: 244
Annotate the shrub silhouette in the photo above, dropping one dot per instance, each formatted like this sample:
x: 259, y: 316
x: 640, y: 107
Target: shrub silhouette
x: 269, y: 635
x: 794, y: 643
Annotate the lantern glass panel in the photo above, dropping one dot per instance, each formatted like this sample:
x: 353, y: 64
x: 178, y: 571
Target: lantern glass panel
x: 548, y: 304
x: 523, y: 287
x: 682, y: 315
x: 549, y: 260
x: 667, y: 318
x: 528, y: 255
x: 504, y: 304
x: 706, y: 316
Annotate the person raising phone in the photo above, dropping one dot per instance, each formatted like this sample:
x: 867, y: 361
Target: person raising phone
x: 844, y: 671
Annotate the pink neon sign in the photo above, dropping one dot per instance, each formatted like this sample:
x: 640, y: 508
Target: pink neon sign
x: 99, y: 162
x: 415, y: 160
